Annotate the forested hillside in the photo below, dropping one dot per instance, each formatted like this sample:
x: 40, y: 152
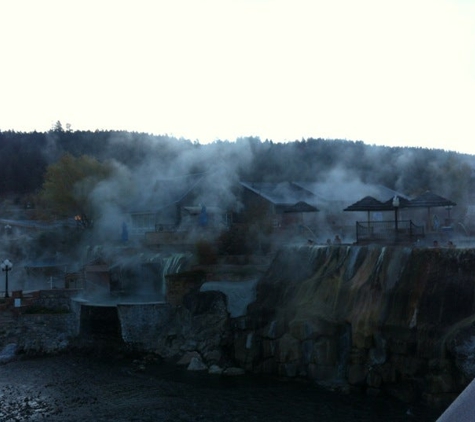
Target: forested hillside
x: 24, y: 158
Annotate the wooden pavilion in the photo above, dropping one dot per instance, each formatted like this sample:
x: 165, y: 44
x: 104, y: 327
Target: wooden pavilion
x: 385, y: 231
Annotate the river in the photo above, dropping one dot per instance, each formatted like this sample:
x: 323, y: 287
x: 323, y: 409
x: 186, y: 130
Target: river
x: 76, y: 387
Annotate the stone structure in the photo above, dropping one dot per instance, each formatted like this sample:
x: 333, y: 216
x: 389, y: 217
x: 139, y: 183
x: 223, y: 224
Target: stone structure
x: 45, y: 323
x: 390, y: 319
x: 368, y: 318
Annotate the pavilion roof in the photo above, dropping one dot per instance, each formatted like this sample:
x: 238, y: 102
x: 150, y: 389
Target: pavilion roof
x: 283, y: 194
x: 429, y: 200
x: 368, y: 203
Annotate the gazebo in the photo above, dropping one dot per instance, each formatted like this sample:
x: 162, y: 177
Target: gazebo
x: 431, y: 200
x: 385, y: 231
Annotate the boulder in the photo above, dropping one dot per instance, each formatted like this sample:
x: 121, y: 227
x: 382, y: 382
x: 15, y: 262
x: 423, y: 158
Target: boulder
x: 197, y: 364
x: 8, y: 353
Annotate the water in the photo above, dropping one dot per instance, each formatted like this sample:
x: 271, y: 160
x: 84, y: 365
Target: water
x: 78, y: 388
x: 257, y: 399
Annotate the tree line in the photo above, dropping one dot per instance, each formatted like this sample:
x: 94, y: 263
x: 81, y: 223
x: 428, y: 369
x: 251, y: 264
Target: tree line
x: 26, y: 157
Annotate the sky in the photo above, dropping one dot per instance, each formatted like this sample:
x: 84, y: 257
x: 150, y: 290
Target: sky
x: 395, y: 73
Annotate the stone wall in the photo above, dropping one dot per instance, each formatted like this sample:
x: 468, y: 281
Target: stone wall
x: 38, y: 334
x: 55, y: 299
x: 143, y: 324
x: 46, y: 325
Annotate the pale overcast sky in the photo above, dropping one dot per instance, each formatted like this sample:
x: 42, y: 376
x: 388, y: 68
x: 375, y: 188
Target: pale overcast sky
x: 396, y: 72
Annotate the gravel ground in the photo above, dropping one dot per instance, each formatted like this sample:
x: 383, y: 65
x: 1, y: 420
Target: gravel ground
x: 80, y: 388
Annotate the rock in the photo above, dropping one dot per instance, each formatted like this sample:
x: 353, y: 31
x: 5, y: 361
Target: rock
x: 321, y: 373
x: 274, y: 329
x: 239, y: 294
x: 212, y: 356
x: 215, y: 370
x: 374, y: 379
x: 189, y: 345
x: 188, y: 357
x: 356, y: 375
x: 288, y: 349
x: 8, y: 353
x: 197, y: 364
x: 310, y: 329
x: 288, y: 370
x: 232, y: 371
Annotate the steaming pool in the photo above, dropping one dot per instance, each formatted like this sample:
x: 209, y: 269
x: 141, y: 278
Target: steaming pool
x: 115, y: 303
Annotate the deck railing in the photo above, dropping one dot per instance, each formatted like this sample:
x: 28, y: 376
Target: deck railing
x: 386, y: 232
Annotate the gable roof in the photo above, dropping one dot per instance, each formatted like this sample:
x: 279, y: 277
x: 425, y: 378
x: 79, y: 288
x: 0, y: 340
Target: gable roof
x: 301, y: 206
x: 368, y: 203
x: 282, y: 193
x: 348, y: 192
x: 425, y: 200
x: 429, y: 200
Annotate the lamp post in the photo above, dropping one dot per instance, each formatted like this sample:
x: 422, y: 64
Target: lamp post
x: 6, y: 266
x: 396, y: 204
